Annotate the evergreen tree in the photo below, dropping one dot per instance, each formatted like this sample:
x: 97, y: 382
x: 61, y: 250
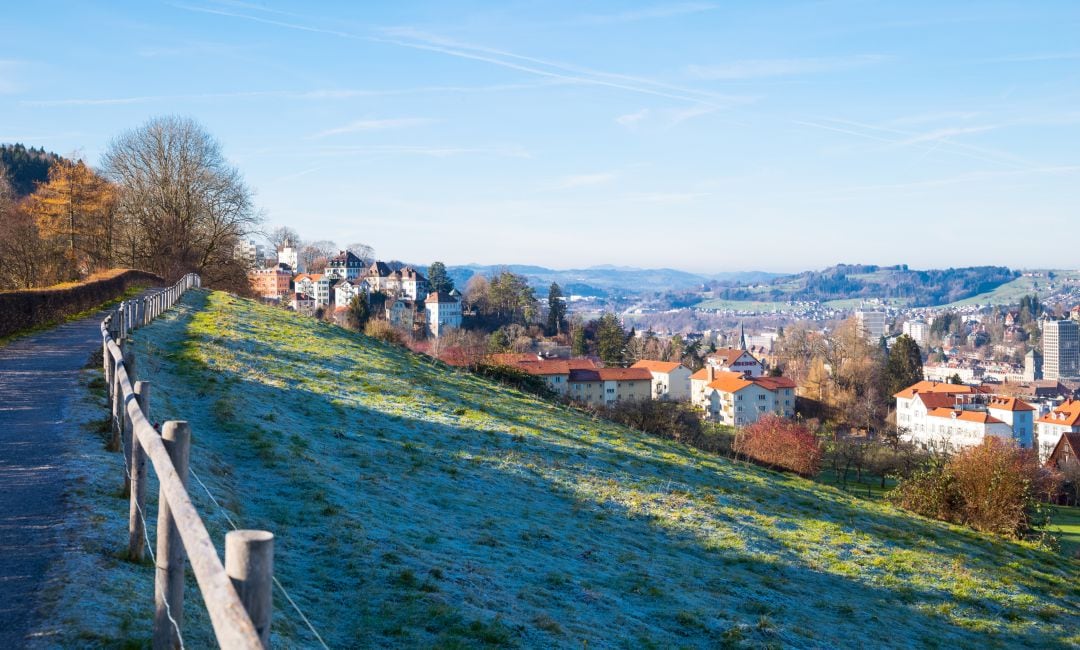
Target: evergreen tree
x: 438, y: 280
x: 610, y: 340
x: 904, y: 366
x: 556, y: 310
x: 358, y: 313
x: 579, y: 345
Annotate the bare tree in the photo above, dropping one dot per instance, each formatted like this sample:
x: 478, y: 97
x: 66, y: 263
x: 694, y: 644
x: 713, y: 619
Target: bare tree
x: 363, y: 251
x: 182, y: 206
x: 283, y: 236
x: 314, y: 254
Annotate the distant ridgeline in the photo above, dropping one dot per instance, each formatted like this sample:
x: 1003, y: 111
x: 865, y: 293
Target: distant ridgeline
x: 26, y: 167
x: 846, y: 281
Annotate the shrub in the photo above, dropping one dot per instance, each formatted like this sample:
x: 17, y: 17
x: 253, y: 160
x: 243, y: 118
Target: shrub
x: 29, y: 308
x: 384, y: 331
x: 995, y: 487
x: 780, y: 443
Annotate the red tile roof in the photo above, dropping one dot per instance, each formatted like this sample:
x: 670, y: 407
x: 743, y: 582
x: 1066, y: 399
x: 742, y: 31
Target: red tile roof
x: 774, y: 383
x: 657, y: 366
x: 730, y: 382
x: 981, y: 417
x: 1067, y: 414
x: 936, y: 387
x: 727, y: 355
x: 610, y: 374
x: 1008, y: 404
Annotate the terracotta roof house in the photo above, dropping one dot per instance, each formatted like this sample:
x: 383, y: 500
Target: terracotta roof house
x: 670, y: 379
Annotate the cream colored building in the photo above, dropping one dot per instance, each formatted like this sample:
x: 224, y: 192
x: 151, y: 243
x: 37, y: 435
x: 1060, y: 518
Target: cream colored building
x: 670, y: 380
x: 610, y: 385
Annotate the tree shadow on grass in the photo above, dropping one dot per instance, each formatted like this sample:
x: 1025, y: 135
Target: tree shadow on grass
x: 369, y: 506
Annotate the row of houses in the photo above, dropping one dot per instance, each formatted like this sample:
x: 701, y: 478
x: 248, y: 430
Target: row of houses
x: 403, y: 294
x: 731, y: 389
x: 949, y: 417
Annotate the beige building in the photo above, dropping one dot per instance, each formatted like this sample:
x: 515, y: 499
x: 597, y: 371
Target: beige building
x: 670, y: 380
x: 609, y: 385
x: 736, y: 399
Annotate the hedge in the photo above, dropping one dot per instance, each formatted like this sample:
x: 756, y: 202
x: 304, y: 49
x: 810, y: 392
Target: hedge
x: 29, y: 308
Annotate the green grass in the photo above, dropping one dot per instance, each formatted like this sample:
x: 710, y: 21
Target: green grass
x: 1011, y: 292
x: 869, y: 487
x: 1065, y: 522
x: 415, y: 505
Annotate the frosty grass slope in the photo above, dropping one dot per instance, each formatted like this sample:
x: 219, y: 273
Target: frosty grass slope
x: 417, y: 505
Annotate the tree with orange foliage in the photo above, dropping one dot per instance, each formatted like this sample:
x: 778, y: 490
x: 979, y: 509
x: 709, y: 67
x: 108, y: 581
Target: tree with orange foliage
x: 782, y: 443
x: 76, y: 207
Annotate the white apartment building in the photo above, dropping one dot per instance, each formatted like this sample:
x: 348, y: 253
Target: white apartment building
x: 1061, y: 349
x: 670, y: 380
x: 443, y: 313
x: 917, y: 330
x: 946, y: 418
x: 735, y: 399
x: 735, y: 360
x: 1050, y: 427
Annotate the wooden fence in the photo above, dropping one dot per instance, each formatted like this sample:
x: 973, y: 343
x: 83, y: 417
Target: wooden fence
x: 238, y: 594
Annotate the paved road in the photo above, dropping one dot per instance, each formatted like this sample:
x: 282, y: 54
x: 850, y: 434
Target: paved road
x: 38, y: 383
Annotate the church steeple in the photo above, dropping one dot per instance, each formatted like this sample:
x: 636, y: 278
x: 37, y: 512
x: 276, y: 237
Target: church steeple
x: 742, y: 336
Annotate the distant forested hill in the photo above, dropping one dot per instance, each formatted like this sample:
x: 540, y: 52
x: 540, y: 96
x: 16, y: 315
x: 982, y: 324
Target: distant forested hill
x: 847, y: 281
x: 26, y: 167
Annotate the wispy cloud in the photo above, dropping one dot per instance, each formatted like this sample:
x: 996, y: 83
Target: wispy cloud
x: 361, y: 126
x: 677, y: 117
x: 760, y: 68
x: 940, y: 135
x: 415, y: 39
x: 318, y: 94
x: 630, y: 120
x: 1035, y: 58
x: 939, y: 116
x: 649, y: 13
x: 898, y: 137
x: 584, y: 180
x: 666, y: 197
x: 432, y: 151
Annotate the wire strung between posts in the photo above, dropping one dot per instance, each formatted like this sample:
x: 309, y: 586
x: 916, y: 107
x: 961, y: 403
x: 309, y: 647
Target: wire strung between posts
x: 277, y: 582
x: 150, y: 549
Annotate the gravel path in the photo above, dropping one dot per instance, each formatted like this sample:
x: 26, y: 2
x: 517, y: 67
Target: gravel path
x: 38, y: 383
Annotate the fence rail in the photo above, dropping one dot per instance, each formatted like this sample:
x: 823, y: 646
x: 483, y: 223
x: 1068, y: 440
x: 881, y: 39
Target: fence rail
x: 237, y: 594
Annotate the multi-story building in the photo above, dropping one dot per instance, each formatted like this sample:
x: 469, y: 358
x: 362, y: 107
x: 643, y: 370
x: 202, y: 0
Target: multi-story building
x: 871, y: 324
x: 443, y: 313
x: 404, y: 283
x: 609, y: 385
x: 1061, y: 349
x: 272, y: 283
x: 346, y: 290
x: 554, y: 372
x: 671, y: 380
x: 917, y: 330
x: 739, y: 399
x: 344, y: 266
x: 1033, y: 366
x: 1050, y: 427
x: 252, y: 254
x: 289, y: 255
x: 735, y: 360
x: 947, y: 417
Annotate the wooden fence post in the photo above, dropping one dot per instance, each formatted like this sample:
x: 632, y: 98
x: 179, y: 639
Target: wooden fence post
x: 116, y: 407
x: 136, y: 528
x: 249, y: 561
x: 169, y: 575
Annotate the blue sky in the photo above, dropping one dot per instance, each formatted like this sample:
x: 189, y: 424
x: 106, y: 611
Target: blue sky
x: 707, y: 136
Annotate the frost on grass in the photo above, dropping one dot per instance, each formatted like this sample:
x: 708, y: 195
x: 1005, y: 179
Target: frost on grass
x: 416, y: 505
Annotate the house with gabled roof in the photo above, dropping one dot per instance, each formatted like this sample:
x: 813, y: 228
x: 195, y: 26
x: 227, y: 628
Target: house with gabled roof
x: 1064, y: 419
x: 735, y: 360
x: 554, y: 372
x: 739, y: 399
x: 670, y: 379
x: 345, y: 265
